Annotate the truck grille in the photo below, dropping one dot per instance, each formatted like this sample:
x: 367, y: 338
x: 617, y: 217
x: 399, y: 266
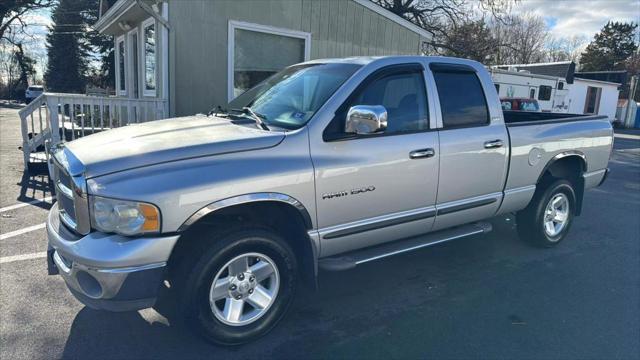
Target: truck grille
x: 64, y: 194
x: 72, y: 199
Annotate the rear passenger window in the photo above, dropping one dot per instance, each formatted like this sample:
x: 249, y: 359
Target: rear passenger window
x: 462, y: 99
x: 403, y: 95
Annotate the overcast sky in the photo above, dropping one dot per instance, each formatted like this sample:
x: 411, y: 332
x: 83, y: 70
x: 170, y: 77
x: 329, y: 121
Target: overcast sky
x: 580, y: 17
x: 565, y: 18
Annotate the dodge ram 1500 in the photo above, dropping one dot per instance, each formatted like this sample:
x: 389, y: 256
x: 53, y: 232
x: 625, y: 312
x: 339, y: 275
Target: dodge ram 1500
x: 327, y: 164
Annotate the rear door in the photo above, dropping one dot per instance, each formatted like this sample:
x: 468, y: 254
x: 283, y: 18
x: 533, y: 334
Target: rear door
x: 473, y: 146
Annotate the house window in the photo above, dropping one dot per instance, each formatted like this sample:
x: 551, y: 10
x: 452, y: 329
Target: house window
x: 149, y: 36
x: 592, y: 103
x: 122, y: 79
x: 560, y: 85
x: 257, y: 52
x: 532, y: 93
x: 544, y: 92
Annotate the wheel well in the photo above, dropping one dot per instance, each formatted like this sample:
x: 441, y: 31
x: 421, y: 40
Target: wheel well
x: 284, y: 219
x: 571, y: 169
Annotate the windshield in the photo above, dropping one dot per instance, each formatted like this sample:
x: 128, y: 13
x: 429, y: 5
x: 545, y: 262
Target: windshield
x: 291, y: 97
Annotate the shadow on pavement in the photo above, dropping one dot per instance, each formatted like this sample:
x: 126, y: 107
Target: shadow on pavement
x: 128, y: 335
x: 35, y: 186
x: 98, y: 334
x: 11, y: 104
x: 317, y: 324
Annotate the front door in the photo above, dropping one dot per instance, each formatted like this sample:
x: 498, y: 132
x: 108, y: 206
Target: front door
x: 473, y: 149
x: 380, y: 187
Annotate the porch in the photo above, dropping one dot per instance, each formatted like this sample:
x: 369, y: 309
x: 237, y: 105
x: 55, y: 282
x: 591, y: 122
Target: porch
x: 54, y: 118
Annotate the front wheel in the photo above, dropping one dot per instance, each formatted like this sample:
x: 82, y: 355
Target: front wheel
x: 546, y: 220
x: 240, y: 287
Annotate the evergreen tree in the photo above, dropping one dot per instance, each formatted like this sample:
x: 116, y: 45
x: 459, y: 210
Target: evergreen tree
x: 610, y: 48
x: 66, y: 48
x: 471, y: 40
x: 101, y: 48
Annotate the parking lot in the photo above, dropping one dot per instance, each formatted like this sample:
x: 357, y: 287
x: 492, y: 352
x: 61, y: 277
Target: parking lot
x: 488, y: 296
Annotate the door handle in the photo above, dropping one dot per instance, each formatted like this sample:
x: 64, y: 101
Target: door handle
x: 493, y: 144
x: 422, y: 153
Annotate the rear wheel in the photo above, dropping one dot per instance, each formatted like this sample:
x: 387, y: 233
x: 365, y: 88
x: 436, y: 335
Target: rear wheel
x: 547, y: 219
x: 240, y: 287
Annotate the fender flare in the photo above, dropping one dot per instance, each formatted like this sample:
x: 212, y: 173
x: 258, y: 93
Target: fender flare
x: 562, y: 155
x: 246, y: 199
x: 580, y: 189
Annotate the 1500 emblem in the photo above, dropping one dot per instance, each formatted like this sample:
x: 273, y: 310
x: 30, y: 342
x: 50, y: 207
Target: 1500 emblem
x: 347, y: 193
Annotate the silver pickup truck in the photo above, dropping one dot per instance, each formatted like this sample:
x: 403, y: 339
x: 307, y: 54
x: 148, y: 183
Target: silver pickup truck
x: 325, y: 165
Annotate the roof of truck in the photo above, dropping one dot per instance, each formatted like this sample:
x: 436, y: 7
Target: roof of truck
x: 364, y: 60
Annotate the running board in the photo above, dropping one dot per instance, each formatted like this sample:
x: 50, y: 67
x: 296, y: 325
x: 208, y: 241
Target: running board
x: 352, y: 259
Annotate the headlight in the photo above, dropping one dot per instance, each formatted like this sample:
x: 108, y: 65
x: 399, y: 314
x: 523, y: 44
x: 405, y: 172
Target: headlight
x: 123, y: 217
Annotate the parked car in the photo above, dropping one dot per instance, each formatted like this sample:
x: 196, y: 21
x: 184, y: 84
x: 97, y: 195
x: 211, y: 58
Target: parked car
x: 327, y: 164
x: 520, y: 104
x: 33, y: 92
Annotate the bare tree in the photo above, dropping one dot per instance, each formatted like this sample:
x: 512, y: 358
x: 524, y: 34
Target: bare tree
x: 12, y: 12
x: 440, y: 17
x: 564, y: 48
x: 522, y: 39
x: 431, y: 15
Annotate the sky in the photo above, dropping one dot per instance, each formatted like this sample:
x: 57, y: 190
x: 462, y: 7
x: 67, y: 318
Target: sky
x: 567, y: 18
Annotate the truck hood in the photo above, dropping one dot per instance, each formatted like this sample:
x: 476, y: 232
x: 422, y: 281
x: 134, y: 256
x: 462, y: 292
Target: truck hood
x: 165, y: 140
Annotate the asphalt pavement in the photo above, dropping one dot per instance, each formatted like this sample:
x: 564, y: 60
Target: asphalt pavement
x: 489, y: 296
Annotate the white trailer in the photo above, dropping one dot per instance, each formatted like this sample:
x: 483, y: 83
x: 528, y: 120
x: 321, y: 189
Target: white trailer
x: 550, y: 91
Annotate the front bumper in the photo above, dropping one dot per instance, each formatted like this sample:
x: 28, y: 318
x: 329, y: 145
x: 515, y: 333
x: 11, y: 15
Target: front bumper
x: 106, y: 271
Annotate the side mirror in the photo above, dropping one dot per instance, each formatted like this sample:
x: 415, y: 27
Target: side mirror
x: 366, y: 119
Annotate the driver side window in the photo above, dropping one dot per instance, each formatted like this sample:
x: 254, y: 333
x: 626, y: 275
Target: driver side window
x: 404, y: 97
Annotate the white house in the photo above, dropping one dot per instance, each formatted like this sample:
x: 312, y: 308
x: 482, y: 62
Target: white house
x: 588, y: 96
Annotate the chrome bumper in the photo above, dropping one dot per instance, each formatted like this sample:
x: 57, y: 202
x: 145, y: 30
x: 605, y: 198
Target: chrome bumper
x: 109, y: 272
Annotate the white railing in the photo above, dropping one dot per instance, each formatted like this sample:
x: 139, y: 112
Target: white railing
x: 53, y: 118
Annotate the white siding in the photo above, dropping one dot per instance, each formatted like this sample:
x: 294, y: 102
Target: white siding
x: 578, y: 95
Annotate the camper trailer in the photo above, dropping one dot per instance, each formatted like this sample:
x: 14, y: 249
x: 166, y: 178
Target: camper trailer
x: 550, y: 91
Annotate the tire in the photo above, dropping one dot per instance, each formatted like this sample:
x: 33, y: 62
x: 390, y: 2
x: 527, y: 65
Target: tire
x: 218, y: 322
x: 543, y: 226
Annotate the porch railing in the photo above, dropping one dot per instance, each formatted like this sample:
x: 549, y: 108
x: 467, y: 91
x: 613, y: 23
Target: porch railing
x: 53, y: 118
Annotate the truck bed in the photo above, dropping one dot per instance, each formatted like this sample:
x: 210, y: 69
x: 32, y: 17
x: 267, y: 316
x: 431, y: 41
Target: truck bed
x: 518, y: 118
x: 537, y: 138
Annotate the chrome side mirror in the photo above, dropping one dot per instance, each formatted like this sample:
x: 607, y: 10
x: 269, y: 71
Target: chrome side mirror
x: 366, y: 119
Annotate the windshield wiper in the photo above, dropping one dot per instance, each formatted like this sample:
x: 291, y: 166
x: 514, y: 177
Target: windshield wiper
x: 255, y: 116
x: 216, y: 111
